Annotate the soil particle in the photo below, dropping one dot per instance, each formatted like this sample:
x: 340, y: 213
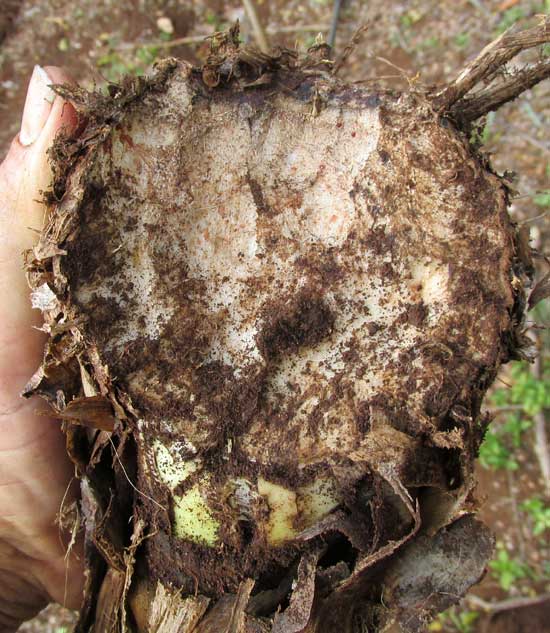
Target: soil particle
x: 304, y: 321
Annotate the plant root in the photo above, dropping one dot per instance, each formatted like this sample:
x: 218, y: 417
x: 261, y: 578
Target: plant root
x: 485, y: 67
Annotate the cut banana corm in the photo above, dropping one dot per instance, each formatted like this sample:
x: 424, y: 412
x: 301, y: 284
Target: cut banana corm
x: 292, y: 295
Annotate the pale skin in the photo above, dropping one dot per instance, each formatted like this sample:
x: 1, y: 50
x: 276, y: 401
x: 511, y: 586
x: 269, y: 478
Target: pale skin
x: 36, y: 475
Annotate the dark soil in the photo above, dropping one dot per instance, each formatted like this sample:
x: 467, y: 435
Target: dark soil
x: 10, y: 9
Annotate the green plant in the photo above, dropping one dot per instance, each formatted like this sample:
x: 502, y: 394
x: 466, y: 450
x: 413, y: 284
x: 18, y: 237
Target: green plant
x: 531, y: 393
x: 526, y: 397
x: 410, y: 18
x: 483, y: 135
x: 63, y: 45
x: 539, y: 513
x: 542, y: 199
x: 520, y: 11
x: 430, y: 43
x: 514, y: 428
x: 147, y: 55
x: 494, y: 454
x: 510, y: 17
x: 214, y: 20
x: 506, y: 570
x: 114, y: 64
x: 462, y: 40
x: 310, y: 41
x: 460, y: 621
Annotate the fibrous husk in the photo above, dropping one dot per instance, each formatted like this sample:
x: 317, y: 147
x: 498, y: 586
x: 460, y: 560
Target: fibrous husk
x: 275, y: 302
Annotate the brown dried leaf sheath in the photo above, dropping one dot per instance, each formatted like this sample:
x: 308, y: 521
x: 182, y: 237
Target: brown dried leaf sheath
x: 290, y: 287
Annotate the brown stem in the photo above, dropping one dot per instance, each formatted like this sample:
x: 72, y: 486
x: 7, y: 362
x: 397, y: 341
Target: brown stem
x: 343, y: 57
x: 200, y: 39
x: 492, y: 58
x: 515, y: 510
x: 541, y: 434
x: 480, y: 103
x: 257, y: 27
x: 539, y: 419
x: 507, y: 409
x: 507, y: 605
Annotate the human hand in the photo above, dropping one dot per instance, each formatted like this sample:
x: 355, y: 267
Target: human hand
x: 35, y: 472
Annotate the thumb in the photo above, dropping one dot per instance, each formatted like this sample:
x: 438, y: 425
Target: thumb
x: 35, y: 470
x: 24, y: 174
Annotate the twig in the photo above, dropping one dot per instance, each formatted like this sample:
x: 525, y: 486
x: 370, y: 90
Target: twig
x: 539, y: 419
x: 531, y: 114
x: 540, y: 292
x: 536, y: 143
x: 200, y: 39
x: 515, y: 510
x: 131, y: 482
x: 477, y: 4
x: 535, y: 219
x: 506, y: 409
x: 507, y: 605
x: 506, y: 384
x: 492, y: 58
x: 496, y: 411
x: 377, y: 78
x: 342, y: 59
x: 539, y: 428
x: 257, y: 27
x: 403, y: 72
x: 305, y: 28
x: 477, y: 105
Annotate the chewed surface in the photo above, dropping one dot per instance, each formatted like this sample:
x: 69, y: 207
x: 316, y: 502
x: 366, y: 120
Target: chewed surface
x: 271, y: 285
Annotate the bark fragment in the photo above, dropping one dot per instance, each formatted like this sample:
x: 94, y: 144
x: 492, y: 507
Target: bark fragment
x: 171, y: 613
x: 429, y: 575
x: 492, y: 58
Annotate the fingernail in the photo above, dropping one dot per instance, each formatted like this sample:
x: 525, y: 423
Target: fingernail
x: 37, y: 106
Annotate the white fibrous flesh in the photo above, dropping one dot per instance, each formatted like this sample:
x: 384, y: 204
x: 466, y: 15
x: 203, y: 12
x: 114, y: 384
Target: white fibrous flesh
x: 294, y: 299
